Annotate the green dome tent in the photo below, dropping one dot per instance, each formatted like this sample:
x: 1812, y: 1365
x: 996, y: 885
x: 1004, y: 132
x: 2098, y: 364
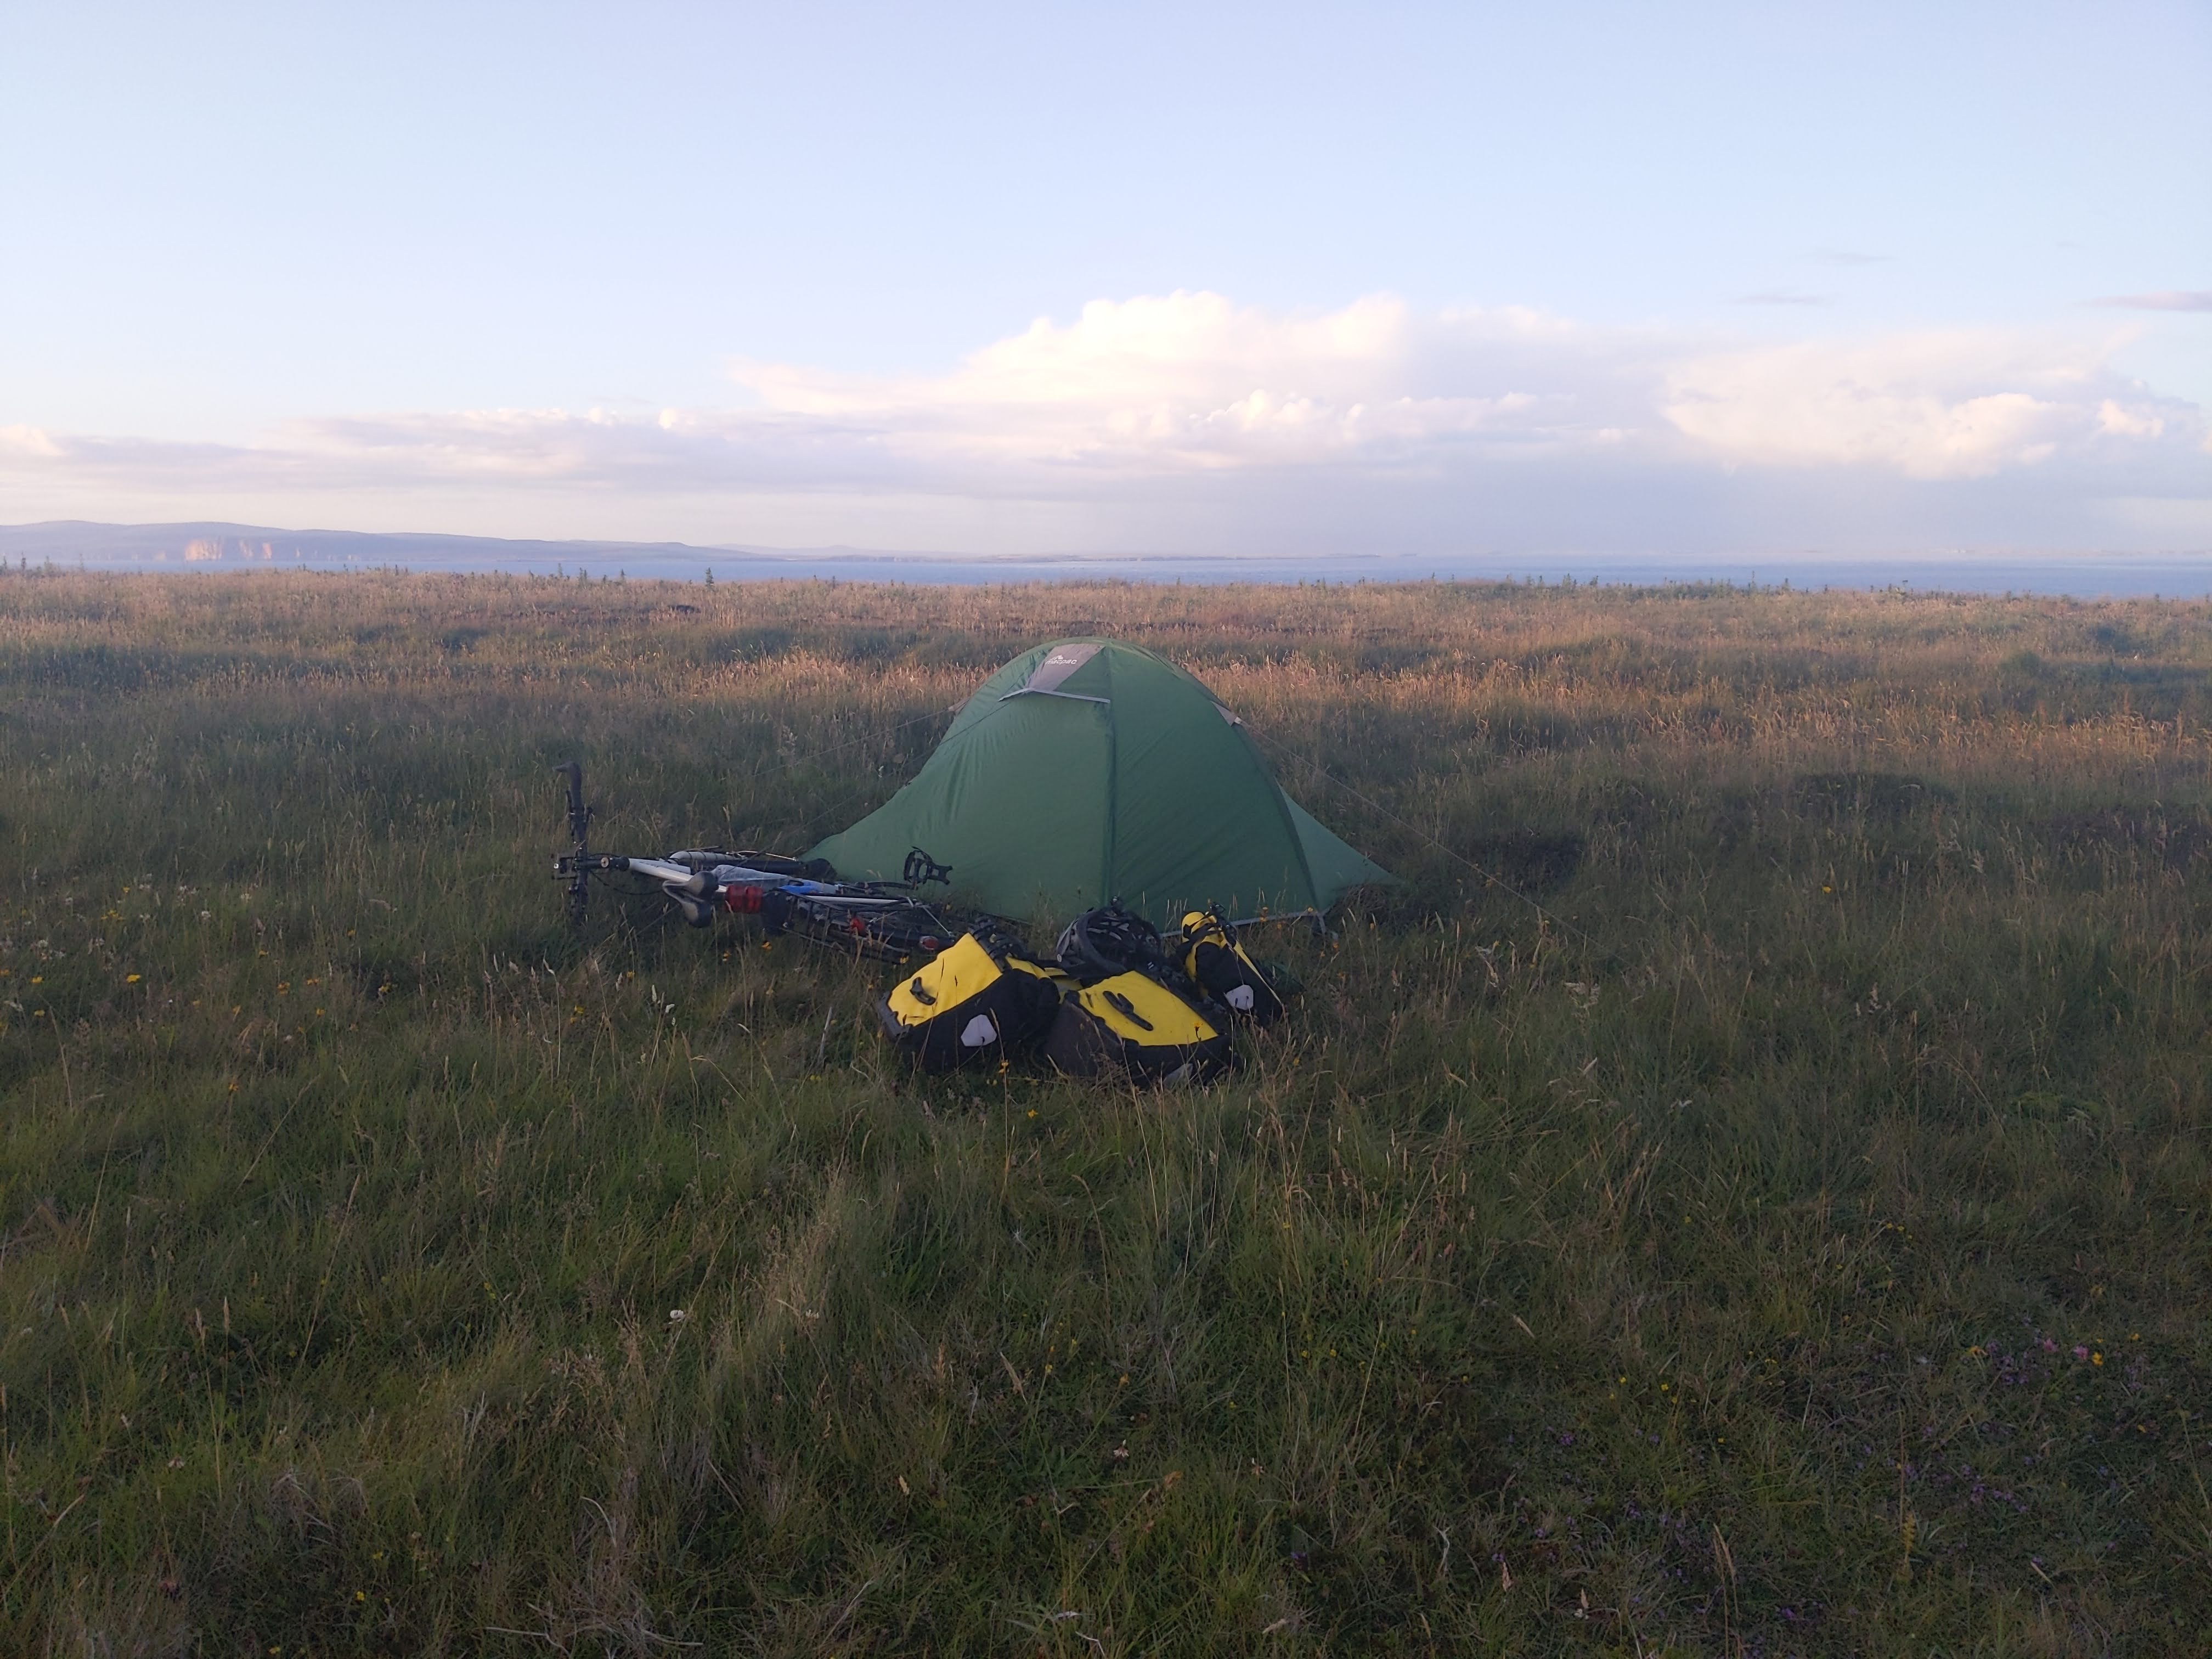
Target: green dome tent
x: 1087, y: 770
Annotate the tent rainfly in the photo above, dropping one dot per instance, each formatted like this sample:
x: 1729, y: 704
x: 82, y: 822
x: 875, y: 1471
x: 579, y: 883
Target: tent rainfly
x: 1089, y: 770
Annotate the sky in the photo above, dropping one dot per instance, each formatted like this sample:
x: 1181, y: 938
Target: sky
x: 1291, y: 281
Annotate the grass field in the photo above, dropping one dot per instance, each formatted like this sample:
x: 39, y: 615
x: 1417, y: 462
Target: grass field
x: 1794, y: 1237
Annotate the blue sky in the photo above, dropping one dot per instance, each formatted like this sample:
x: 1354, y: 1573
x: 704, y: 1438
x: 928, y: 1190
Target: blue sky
x: 1194, y: 278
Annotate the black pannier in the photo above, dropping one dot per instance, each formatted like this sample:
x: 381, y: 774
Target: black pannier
x: 1217, y: 965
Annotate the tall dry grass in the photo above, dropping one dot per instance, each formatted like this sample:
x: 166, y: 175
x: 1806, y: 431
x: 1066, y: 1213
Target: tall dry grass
x: 1775, y: 1224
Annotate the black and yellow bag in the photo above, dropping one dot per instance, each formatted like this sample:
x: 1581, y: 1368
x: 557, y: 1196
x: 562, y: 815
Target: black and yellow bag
x: 978, y: 998
x: 1217, y: 965
x: 1133, y: 1025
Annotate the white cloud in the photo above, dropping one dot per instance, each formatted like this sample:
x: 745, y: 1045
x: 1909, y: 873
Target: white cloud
x: 1187, y: 348
x: 2127, y: 422
x: 1165, y: 421
x: 1191, y: 381
x: 1926, y: 406
x: 2169, y: 299
x: 29, y: 443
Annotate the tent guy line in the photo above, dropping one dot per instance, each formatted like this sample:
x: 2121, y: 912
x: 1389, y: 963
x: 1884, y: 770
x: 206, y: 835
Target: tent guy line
x: 1488, y: 876
x: 759, y: 773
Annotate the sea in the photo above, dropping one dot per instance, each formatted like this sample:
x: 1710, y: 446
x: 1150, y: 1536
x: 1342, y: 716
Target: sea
x: 210, y: 548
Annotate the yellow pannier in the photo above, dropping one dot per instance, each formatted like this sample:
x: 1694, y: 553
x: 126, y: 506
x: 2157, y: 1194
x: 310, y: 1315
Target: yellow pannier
x: 1133, y: 1024
x: 972, y: 999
